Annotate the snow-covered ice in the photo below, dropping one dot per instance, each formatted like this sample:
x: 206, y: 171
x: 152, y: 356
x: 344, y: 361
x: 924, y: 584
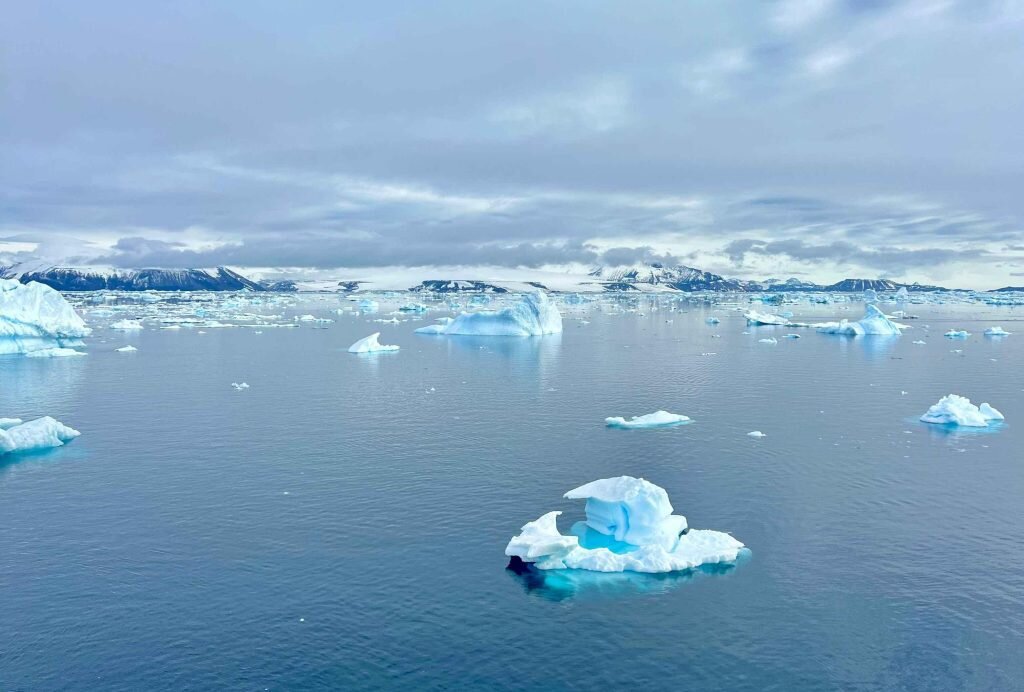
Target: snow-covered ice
x: 127, y: 325
x: 127, y: 349
x: 658, y: 419
x: 629, y: 527
x: 34, y: 317
x: 874, y: 323
x: 769, y: 340
x: 534, y: 315
x: 41, y: 433
x: 240, y: 385
x: 56, y: 352
x: 953, y: 409
x: 764, y: 318
x: 997, y: 331
x: 370, y: 344
x: 756, y: 433
x: 957, y: 334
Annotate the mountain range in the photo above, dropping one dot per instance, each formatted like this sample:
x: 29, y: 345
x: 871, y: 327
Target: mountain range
x: 640, y: 277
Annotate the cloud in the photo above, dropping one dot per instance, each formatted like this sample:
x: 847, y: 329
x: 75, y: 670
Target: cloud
x: 518, y: 135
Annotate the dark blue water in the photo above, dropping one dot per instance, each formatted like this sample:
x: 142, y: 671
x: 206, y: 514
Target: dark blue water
x: 341, y: 524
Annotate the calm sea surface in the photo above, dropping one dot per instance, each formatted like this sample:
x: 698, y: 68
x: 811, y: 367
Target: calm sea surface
x: 341, y: 523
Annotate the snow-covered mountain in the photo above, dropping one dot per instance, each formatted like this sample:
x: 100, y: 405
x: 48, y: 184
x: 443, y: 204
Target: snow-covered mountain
x: 456, y: 286
x: 110, y: 279
x: 680, y: 277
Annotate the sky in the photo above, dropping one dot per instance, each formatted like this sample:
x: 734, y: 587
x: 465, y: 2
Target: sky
x: 819, y: 139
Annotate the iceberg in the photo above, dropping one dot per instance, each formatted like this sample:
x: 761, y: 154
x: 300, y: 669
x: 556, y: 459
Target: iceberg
x: 127, y: 325
x: 756, y: 433
x: 41, y: 433
x: 534, y: 315
x: 658, y: 419
x: 903, y: 294
x: 764, y: 318
x: 126, y: 349
x: 874, y: 323
x: 34, y: 317
x: 629, y: 527
x: 957, y: 334
x: 953, y: 409
x: 997, y: 331
x: 439, y: 328
x: 769, y: 340
x: 58, y: 352
x: 371, y: 345
x: 713, y: 320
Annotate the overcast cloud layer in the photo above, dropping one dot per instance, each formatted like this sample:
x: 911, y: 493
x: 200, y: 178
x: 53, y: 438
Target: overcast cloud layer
x: 812, y: 138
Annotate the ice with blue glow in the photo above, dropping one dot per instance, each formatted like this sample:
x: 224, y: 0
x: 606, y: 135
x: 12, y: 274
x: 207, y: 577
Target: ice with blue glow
x: 35, y: 435
x: 629, y: 527
x: 34, y: 317
x: 954, y: 409
x: 658, y: 419
x: 874, y: 323
x: 534, y: 315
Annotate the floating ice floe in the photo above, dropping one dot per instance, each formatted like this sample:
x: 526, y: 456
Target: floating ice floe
x: 371, y: 345
x: 997, y: 331
x: 658, y: 419
x: 58, y: 352
x: 764, y: 318
x: 957, y: 334
x: 41, y: 433
x: 756, y: 433
x: 953, y: 409
x: 240, y: 385
x: 629, y: 528
x: 127, y: 349
x: 769, y: 340
x: 34, y: 317
x: 874, y: 323
x: 790, y: 336
x: 127, y: 325
x: 713, y: 320
x: 534, y: 315
x: 920, y: 343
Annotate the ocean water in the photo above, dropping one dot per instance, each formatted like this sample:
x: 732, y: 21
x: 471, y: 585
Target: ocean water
x: 341, y: 523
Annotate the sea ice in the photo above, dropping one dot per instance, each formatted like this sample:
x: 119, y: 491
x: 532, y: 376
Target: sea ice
x: 958, y: 410
x: 127, y: 349
x: 34, y: 317
x: 997, y: 331
x: 957, y: 334
x: 534, y: 315
x: 769, y: 340
x: 371, y: 345
x: 874, y: 323
x: 713, y: 320
x: 756, y: 433
x: 38, y: 434
x: 240, y: 385
x: 658, y: 419
x: 629, y: 527
x: 764, y: 318
x: 127, y: 325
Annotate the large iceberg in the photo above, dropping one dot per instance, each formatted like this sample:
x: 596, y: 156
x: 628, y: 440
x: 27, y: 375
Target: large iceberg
x: 764, y: 318
x: 371, y: 345
x: 41, y: 433
x: 874, y: 323
x: 34, y: 317
x: 658, y: 419
x: 534, y: 315
x: 629, y: 527
x: 953, y: 409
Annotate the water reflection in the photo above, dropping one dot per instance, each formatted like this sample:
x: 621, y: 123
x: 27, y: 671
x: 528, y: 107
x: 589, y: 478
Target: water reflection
x: 566, y: 584
x: 38, y: 386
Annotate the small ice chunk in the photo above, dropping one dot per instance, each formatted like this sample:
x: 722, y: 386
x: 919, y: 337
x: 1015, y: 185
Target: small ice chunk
x: 711, y: 320
x: 658, y: 419
x: 997, y: 331
x: 953, y: 409
x: 127, y: 325
x: 957, y: 334
x: 127, y: 349
x: 756, y: 433
x: 38, y: 434
x: 769, y: 340
x: 370, y: 344
x: 240, y: 385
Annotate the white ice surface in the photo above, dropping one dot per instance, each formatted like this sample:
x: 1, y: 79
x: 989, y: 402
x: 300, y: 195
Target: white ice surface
x: 38, y: 434
x: 534, y: 315
x: 34, y: 317
x: 658, y: 419
x: 953, y: 409
x: 370, y: 344
x: 874, y: 323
